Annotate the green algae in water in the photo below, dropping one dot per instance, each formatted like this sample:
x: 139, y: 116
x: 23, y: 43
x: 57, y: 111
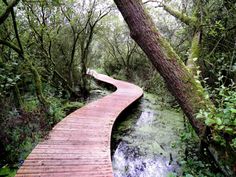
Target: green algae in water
x: 145, y: 140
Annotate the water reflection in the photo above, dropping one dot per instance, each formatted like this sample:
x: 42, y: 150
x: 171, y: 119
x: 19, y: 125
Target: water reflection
x: 128, y: 163
x: 145, y: 143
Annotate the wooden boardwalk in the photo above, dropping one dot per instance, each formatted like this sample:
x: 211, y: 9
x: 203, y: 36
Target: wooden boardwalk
x: 79, y: 145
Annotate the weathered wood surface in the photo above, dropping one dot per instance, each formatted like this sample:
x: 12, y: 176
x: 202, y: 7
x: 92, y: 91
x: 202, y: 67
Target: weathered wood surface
x: 79, y: 145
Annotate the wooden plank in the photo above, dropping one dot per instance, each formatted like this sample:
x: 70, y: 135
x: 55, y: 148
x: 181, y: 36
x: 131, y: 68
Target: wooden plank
x: 79, y: 145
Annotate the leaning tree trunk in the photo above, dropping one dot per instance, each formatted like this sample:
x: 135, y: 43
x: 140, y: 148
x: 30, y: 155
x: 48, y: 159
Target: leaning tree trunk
x: 181, y: 83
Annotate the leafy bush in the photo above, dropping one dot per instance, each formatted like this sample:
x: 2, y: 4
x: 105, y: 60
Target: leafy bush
x: 222, y: 120
x: 19, y: 131
x: 72, y: 106
x: 8, y: 77
x: 194, y: 163
x: 22, y: 129
x: 31, y: 104
x: 6, y: 171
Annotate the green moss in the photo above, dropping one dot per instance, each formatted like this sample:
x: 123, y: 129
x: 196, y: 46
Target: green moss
x: 188, y: 20
x: 195, y: 83
x: 194, y: 55
x: 202, y: 97
x: 195, y: 48
x: 169, y: 51
x: 38, y: 83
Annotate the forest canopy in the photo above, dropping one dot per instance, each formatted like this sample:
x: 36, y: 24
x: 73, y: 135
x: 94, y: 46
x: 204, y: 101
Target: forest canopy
x: 186, y: 48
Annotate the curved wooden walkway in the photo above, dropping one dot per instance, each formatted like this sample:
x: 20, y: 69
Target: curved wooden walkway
x: 79, y: 145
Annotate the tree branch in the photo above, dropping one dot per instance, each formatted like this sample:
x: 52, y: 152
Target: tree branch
x: 12, y: 46
x: 191, y: 21
x: 6, y: 13
x: 16, y: 30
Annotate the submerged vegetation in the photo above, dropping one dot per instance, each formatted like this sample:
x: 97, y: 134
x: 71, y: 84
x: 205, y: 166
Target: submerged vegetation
x: 46, y: 47
x: 138, y: 150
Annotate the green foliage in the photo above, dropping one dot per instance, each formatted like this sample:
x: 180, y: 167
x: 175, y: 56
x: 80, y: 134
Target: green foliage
x: 31, y: 104
x: 49, y: 30
x: 56, y: 111
x: 193, y: 167
x: 6, y: 171
x: 216, y: 29
x: 8, y: 77
x: 47, y: 36
x: 222, y: 120
x: 59, y: 109
x: 19, y: 130
x: 71, y: 106
x: 218, y: 41
x: 22, y: 129
x: 172, y: 175
x: 194, y: 163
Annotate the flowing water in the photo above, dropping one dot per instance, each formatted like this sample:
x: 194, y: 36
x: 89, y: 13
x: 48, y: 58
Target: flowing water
x: 145, y: 143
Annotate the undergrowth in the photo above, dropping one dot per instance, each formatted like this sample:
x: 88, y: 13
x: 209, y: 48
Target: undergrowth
x: 22, y: 129
x: 195, y: 162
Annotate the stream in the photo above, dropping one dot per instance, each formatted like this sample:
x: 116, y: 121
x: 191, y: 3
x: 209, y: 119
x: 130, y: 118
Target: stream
x: 145, y: 142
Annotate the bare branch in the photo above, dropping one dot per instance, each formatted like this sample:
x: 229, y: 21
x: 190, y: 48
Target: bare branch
x: 6, y: 13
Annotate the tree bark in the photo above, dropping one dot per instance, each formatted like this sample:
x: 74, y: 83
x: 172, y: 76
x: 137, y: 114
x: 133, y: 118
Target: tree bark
x: 181, y: 83
x: 179, y: 80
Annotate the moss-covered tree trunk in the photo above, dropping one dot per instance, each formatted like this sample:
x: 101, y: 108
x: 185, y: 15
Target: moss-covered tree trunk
x: 38, y: 84
x: 32, y: 68
x: 182, y: 84
x: 194, y: 53
x: 195, y: 23
x: 17, y: 97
